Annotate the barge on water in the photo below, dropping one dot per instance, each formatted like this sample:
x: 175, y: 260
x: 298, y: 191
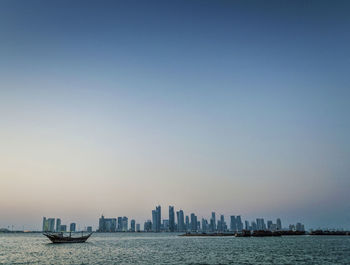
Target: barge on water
x: 329, y: 233
x: 208, y: 234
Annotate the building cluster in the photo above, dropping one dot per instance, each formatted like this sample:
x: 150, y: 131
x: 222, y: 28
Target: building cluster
x: 49, y: 226
x: 177, y: 222
x: 120, y: 224
x: 180, y: 222
x: 298, y: 227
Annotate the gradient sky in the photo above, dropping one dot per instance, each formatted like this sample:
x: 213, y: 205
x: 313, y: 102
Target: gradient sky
x: 113, y: 107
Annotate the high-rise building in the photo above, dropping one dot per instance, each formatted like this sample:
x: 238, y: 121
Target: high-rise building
x: 51, y: 224
x: 156, y: 219
x: 205, y: 227
x: 72, y: 227
x: 63, y: 228
x: 213, y: 222
x: 193, y: 222
x: 107, y: 224
x: 171, y: 219
x: 165, y: 225
x: 45, y: 225
x: 239, y: 223
x: 269, y: 225
x: 221, y: 224
x: 120, y: 224
x: 147, y: 226
x: 58, y: 225
x: 254, y: 226
x: 260, y: 223
x: 159, y: 217
x: 125, y: 224
x: 188, y: 228
x: 247, y: 227
x: 138, y: 228
x: 89, y: 229
x: 233, y: 224
x: 279, y: 224
x: 180, y: 221
x: 132, y: 225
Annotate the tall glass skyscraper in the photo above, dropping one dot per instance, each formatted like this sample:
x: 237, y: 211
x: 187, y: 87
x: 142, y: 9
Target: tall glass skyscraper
x: 171, y: 219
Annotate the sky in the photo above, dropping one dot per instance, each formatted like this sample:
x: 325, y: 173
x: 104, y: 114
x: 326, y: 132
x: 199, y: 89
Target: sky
x: 114, y: 107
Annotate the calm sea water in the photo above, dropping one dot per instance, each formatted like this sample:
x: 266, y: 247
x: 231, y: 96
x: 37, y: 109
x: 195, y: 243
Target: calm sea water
x: 163, y: 248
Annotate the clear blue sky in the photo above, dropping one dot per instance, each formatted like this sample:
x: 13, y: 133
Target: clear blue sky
x: 236, y: 106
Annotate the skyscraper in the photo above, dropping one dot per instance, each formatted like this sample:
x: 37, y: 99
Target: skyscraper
x: 120, y: 224
x: 72, y: 227
x: 156, y: 219
x: 260, y: 223
x: 278, y: 224
x: 254, y: 226
x: 247, y: 227
x: 107, y: 224
x: 233, y: 224
x: 193, y: 222
x: 159, y: 217
x: 125, y: 224
x: 45, y: 225
x: 188, y: 228
x: 171, y: 219
x: 147, y: 226
x: 51, y: 224
x: 239, y: 223
x: 58, y: 225
x: 269, y: 225
x: 221, y: 224
x: 132, y: 225
x: 180, y: 221
x: 213, y: 222
x: 204, y: 225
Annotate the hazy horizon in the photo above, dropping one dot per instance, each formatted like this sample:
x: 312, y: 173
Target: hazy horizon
x: 114, y: 107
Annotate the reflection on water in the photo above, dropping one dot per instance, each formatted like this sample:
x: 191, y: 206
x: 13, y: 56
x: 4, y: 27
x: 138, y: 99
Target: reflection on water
x: 128, y: 248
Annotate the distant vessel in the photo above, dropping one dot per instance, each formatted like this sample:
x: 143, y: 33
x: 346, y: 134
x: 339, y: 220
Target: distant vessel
x: 329, y: 233
x: 61, y: 238
x: 263, y: 233
x: 244, y: 233
x: 207, y: 234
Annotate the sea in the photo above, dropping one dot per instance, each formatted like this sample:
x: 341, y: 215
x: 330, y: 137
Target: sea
x: 170, y: 248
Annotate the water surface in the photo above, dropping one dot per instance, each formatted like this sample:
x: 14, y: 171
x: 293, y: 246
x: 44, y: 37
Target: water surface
x: 164, y: 248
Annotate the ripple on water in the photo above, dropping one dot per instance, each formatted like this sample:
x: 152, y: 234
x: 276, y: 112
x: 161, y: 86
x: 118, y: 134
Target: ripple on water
x: 163, y: 248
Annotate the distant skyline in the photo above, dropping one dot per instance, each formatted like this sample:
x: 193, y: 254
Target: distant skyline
x: 113, y: 107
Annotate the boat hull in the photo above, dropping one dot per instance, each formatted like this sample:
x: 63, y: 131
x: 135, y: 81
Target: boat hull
x: 57, y: 239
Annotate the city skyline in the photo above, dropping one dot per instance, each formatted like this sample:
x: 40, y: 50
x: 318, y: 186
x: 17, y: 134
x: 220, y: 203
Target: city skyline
x: 175, y: 220
x: 116, y: 106
x: 182, y: 223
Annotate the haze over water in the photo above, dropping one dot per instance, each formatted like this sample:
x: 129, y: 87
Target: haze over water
x: 114, y: 107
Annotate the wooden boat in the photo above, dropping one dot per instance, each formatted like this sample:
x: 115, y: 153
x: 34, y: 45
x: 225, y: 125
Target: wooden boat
x: 61, y: 238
